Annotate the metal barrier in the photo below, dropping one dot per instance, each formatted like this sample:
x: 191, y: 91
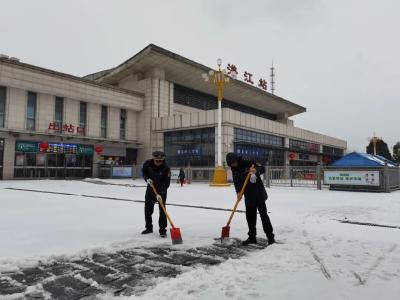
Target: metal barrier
x: 199, y: 174
x: 306, y: 176
x: 393, y: 178
x: 310, y: 176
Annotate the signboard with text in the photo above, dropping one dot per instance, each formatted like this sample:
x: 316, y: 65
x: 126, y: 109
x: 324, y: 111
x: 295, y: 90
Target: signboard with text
x: 65, y: 128
x: 122, y: 172
x: 174, y: 174
x: 368, y: 178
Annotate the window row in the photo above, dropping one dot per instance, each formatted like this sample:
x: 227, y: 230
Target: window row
x: 247, y: 136
x: 58, y: 126
x: 332, y: 151
x: 190, y: 147
x: 303, y: 146
x: 196, y: 99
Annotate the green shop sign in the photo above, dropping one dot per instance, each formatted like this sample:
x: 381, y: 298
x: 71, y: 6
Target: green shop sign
x: 26, y: 146
x: 85, y: 150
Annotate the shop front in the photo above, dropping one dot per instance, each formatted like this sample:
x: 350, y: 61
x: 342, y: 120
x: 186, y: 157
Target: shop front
x: 1, y: 157
x: 34, y: 159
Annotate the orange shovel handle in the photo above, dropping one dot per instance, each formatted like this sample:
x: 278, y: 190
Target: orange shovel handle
x: 162, y: 206
x: 240, y: 195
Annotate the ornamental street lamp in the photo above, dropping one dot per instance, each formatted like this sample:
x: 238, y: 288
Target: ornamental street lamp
x: 219, y: 79
x: 374, y: 141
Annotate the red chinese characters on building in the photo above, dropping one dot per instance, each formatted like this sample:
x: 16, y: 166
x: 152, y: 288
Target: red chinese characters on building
x: 66, y: 128
x: 262, y: 83
x: 247, y: 77
x: 54, y: 126
x: 69, y: 128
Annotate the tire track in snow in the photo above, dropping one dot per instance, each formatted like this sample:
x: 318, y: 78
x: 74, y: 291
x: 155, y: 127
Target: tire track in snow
x: 378, y: 262
x: 323, y: 268
x: 123, y: 199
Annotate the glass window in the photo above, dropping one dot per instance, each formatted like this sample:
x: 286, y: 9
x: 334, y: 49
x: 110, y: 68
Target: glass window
x: 31, y: 111
x: 59, y: 112
x: 193, y: 98
x: 30, y: 159
x: 2, y: 106
x: 122, y: 124
x: 190, y: 147
x: 82, y: 118
x: 303, y: 146
x: 103, y: 122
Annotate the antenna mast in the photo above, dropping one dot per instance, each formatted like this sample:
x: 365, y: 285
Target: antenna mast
x: 272, y: 78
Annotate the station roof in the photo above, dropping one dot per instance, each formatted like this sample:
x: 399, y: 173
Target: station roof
x: 357, y: 159
x: 186, y: 72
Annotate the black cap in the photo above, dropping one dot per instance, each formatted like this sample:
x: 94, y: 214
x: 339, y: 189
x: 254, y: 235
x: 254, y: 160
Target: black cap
x: 158, y: 154
x: 231, y: 158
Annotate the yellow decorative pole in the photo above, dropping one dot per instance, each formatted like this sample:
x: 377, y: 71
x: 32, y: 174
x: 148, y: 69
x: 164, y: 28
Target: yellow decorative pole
x: 219, y: 78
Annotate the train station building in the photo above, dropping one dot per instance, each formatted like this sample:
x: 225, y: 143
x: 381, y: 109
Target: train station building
x: 56, y: 125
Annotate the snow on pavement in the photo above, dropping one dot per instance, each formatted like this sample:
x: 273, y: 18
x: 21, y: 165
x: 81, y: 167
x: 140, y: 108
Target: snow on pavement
x: 319, y: 257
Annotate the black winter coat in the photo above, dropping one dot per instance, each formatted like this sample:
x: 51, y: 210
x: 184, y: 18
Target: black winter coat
x: 161, y: 177
x: 181, y: 175
x: 254, y: 191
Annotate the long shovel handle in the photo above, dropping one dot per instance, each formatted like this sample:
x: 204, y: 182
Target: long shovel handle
x: 240, y: 196
x: 162, y: 206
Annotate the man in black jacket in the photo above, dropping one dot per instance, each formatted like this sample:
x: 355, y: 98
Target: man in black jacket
x: 156, y: 172
x: 255, y: 195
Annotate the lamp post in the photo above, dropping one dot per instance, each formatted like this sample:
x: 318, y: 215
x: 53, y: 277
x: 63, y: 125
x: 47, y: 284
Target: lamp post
x: 374, y: 141
x: 219, y: 79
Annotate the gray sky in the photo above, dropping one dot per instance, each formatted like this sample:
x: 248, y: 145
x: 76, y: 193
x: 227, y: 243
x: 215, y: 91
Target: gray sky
x: 338, y: 58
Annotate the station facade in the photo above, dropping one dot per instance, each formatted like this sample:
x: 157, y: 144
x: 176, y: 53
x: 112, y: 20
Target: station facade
x: 55, y: 125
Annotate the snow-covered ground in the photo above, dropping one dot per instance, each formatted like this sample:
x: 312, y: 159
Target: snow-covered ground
x: 320, y: 258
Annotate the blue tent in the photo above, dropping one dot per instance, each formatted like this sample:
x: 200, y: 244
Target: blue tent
x: 357, y: 159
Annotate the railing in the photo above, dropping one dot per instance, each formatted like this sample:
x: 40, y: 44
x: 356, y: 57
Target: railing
x: 51, y: 172
x: 313, y: 177
x: 292, y: 176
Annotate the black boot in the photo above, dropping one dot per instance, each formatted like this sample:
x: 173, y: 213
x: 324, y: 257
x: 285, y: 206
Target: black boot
x: 250, y: 240
x: 147, y: 231
x: 271, y: 240
x: 163, y: 233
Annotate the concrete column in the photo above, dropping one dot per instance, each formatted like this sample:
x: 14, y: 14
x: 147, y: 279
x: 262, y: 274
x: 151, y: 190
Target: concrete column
x: 227, y: 141
x: 17, y: 108
x: 96, y: 159
x: 320, y: 154
x: 45, y: 111
x: 9, y: 157
x: 113, y: 122
x: 286, y: 159
x: 143, y: 124
x: 71, y: 112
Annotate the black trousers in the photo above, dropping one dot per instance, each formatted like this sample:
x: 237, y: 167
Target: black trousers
x: 251, y: 216
x: 150, y: 201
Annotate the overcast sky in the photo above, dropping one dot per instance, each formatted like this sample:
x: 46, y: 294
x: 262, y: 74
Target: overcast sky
x: 338, y: 58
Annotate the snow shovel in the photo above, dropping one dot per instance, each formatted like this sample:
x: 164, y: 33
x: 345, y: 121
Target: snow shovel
x: 226, y: 229
x: 175, y: 232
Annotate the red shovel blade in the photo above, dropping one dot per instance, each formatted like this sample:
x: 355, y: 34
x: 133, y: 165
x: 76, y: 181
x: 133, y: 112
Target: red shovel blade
x: 225, y: 232
x: 176, y: 236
